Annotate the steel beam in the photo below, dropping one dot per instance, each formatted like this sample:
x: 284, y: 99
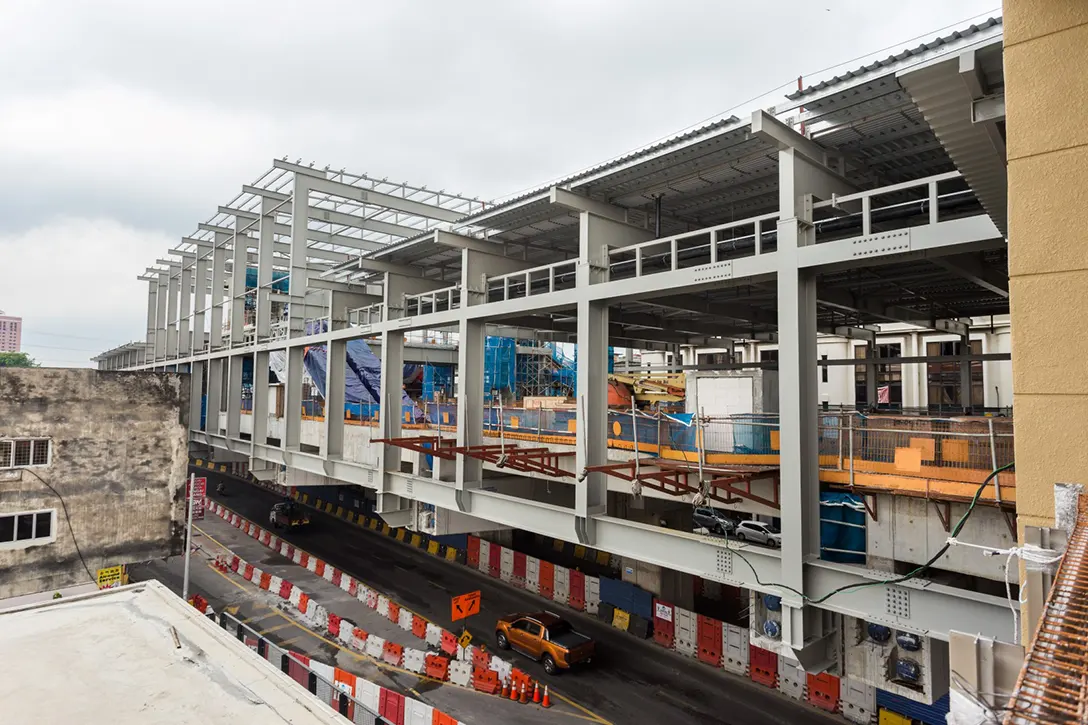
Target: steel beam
x: 578, y: 203
x: 973, y: 270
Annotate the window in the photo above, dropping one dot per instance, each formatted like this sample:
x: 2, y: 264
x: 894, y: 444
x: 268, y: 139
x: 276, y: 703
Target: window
x: 768, y: 356
x: 533, y: 629
x: 716, y: 358
x: 823, y: 370
x: 943, y: 378
x: 29, y: 528
x: 887, y: 376
x: 24, y: 453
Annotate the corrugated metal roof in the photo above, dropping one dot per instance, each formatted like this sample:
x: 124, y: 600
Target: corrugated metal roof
x: 894, y: 63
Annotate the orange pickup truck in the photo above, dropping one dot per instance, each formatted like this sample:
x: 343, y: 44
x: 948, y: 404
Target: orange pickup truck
x: 545, y: 637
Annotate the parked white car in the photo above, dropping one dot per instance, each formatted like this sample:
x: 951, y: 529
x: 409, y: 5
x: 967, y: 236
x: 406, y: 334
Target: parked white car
x: 759, y: 532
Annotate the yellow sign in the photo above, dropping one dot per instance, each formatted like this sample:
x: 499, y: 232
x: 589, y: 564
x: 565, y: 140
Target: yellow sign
x: 465, y: 640
x: 110, y: 577
x: 621, y: 619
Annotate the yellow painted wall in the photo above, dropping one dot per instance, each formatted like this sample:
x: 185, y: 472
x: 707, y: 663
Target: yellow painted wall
x: 1046, y: 97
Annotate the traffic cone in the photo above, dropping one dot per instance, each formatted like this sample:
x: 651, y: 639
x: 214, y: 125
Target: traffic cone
x: 547, y: 702
x: 523, y: 698
x: 536, y: 693
x: 505, y: 689
x: 513, y: 691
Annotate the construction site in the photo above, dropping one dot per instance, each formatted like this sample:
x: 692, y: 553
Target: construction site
x: 749, y: 393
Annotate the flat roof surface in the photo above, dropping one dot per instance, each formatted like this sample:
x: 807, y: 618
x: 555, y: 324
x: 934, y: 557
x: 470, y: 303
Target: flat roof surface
x: 110, y: 657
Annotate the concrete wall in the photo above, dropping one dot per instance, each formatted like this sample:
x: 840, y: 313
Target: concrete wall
x: 1046, y: 92
x: 119, y: 458
x: 910, y: 529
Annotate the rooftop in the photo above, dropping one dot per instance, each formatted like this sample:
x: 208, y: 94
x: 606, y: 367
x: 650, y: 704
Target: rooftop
x: 139, y: 654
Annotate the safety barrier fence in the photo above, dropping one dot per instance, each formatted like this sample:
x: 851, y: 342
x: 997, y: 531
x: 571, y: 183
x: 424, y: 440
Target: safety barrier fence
x: 444, y: 661
x: 625, y: 607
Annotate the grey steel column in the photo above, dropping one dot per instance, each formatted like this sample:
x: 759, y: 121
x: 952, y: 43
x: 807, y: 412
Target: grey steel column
x: 965, y: 374
x: 238, y: 283
x: 160, y: 314
x: 200, y: 296
x: 292, y: 406
x: 234, y: 397
x: 185, y: 304
x: 470, y: 404
x: 173, y: 291
x: 265, y: 246
x: 392, y: 412
x: 298, y: 283
x: 215, y: 395
x: 152, y: 307
x: 335, y: 378
x: 260, y: 400
x: 219, y: 284
x: 870, y: 375
x: 196, y: 394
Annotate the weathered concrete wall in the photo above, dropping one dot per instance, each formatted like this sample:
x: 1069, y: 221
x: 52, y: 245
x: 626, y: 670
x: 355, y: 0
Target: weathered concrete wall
x: 120, y: 451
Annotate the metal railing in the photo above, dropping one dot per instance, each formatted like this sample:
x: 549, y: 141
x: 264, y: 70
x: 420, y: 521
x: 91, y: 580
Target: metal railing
x: 536, y: 281
x: 369, y: 315
x: 723, y: 242
x: 441, y: 300
x: 317, y: 685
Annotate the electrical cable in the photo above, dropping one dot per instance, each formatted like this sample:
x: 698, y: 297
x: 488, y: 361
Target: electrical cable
x: 67, y: 519
x: 914, y: 573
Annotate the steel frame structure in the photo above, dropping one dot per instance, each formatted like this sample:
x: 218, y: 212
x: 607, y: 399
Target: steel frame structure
x: 759, y: 231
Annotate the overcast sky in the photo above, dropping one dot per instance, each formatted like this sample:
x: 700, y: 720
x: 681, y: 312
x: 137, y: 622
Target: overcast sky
x: 124, y: 124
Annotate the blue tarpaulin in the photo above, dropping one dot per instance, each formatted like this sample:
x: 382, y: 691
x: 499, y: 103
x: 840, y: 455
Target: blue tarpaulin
x: 364, y: 373
x: 842, y: 528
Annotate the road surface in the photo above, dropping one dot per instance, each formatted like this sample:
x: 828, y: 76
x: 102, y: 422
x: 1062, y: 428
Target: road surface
x: 630, y: 681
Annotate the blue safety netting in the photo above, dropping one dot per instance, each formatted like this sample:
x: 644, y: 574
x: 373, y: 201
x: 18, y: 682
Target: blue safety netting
x: 280, y: 279
x: 437, y: 379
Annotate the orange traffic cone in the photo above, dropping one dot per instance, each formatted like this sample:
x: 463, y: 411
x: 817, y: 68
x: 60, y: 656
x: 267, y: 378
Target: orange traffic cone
x: 505, y: 689
x: 522, y: 697
x: 513, y: 691
x: 536, y: 692
x: 547, y: 702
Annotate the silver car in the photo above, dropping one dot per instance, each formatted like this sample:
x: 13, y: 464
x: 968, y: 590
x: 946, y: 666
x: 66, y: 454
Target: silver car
x: 759, y: 532
x: 713, y: 520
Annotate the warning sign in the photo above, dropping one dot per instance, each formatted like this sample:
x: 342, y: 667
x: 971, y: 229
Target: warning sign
x: 110, y: 577
x: 200, y: 490
x: 465, y: 639
x: 465, y: 605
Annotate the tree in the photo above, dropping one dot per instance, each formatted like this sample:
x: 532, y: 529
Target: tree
x: 17, y: 360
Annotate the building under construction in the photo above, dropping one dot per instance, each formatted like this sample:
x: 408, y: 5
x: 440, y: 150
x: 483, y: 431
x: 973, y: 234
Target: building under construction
x: 472, y: 348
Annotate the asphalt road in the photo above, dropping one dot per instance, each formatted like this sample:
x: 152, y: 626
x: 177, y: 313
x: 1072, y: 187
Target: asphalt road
x: 630, y: 680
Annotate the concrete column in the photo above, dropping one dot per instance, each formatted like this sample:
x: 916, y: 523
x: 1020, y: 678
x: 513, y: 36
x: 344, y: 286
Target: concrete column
x: 185, y: 306
x: 215, y: 392
x: 260, y: 399
x: 238, y: 284
x: 200, y: 295
x: 219, y: 282
x: 265, y: 246
x: 196, y: 394
x: 292, y: 406
x: 234, y: 397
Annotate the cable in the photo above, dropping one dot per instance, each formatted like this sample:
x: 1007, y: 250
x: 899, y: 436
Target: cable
x: 914, y: 573
x: 67, y: 519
